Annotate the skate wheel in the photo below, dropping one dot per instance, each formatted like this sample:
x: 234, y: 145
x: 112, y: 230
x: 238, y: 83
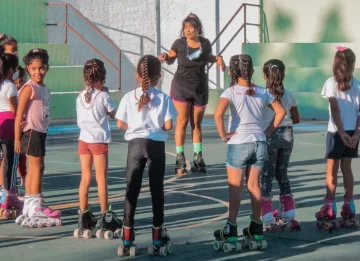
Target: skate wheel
x: 121, y: 249
x: 227, y: 247
x: 356, y: 223
x: 252, y: 245
x: 133, y: 250
x: 169, y: 248
x: 99, y: 234
x: 163, y: 251
x: 1, y: 212
x: 263, y: 244
x: 245, y: 242
x: 58, y: 223
x: 117, y: 233
x: 39, y: 225
x: 108, y: 235
x: 327, y: 226
x: 238, y: 246
x: 216, y: 245
x: 87, y: 233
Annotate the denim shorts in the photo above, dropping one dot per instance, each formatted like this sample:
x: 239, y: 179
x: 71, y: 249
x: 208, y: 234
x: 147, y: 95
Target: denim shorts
x: 244, y: 155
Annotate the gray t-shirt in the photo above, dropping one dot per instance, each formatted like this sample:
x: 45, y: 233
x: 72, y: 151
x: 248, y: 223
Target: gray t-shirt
x: 246, y: 113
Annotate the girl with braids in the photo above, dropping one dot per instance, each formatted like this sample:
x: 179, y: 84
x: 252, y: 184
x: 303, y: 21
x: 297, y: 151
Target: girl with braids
x: 342, y: 141
x: 146, y: 114
x: 246, y: 146
x: 8, y: 106
x: 279, y: 147
x: 34, y: 109
x: 189, y: 88
x: 93, y: 106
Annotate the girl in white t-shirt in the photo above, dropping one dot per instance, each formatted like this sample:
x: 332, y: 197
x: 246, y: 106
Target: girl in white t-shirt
x: 146, y: 114
x: 93, y: 106
x: 8, y: 106
x: 279, y: 147
x: 246, y: 144
x: 342, y: 141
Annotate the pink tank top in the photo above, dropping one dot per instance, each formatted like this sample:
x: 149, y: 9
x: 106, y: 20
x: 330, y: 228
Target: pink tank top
x: 38, y: 111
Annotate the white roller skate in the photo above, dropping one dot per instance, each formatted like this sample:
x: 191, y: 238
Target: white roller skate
x: 40, y: 216
x: 25, y: 211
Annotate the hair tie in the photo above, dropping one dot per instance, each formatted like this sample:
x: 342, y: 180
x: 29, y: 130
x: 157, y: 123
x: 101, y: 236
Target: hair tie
x: 341, y: 48
x: 35, y: 51
x: 273, y: 66
x: 191, y: 16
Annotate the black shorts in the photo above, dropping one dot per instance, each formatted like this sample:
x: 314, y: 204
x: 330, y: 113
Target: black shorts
x: 33, y: 143
x: 336, y: 149
x: 197, y: 98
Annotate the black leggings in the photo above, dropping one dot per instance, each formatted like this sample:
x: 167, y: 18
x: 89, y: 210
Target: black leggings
x: 11, y: 162
x: 140, y: 152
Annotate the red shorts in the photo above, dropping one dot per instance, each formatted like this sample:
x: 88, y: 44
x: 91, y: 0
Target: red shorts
x: 92, y: 148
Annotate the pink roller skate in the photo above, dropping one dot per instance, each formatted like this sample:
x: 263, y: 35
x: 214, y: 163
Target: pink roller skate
x: 267, y: 215
x: 348, y: 213
x: 285, y: 215
x: 326, y: 217
x: 40, y: 216
x: 11, y: 206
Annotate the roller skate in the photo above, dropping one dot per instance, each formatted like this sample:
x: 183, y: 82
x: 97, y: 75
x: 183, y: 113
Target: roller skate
x: 41, y: 216
x: 86, y: 225
x: 267, y: 215
x: 285, y: 215
x: 109, y: 226
x: 180, y: 165
x: 126, y: 247
x: 25, y: 211
x: 348, y: 214
x: 254, y: 237
x: 160, y: 245
x: 326, y: 217
x: 227, y: 238
x: 11, y: 206
x: 199, y: 164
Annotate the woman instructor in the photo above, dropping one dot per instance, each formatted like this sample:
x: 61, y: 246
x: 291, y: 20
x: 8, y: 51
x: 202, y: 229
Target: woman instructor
x: 189, y: 87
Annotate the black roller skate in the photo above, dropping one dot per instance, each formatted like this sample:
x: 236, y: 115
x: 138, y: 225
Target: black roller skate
x: 199, y: 163
x: 126, y: 247
x: 227, y: 238
x: 180, y: 165
x: 161, y: 245
x: 109, y: 226
x: 86, y: 225
x: 254, y: 237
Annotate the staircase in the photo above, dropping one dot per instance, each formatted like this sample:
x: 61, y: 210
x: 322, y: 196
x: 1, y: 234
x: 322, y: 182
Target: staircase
x: 64, y: 77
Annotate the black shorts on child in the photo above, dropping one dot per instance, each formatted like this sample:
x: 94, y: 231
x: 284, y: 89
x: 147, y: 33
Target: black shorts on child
x: 336, y: 149
x: 33, y: 143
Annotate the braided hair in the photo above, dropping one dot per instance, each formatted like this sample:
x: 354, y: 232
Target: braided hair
x: 242, y: 66
x: 149, y: 70
x: 94, y: 71
x: 274, y: 71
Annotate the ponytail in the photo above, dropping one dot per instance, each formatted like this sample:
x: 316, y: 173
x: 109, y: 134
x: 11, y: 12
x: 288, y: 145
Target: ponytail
x: 274, y: 71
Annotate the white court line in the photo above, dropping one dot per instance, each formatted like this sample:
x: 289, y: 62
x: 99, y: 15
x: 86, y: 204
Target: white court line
x: 309, y: 143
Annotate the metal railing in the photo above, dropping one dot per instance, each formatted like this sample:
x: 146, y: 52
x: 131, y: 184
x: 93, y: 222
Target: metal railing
x: 68, y: 27
x: 242, y: 27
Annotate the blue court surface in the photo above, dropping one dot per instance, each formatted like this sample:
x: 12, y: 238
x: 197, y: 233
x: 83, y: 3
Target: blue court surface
x: 195, y: 205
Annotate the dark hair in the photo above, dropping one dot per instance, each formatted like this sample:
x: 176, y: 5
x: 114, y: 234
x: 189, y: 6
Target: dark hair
x: 195, y: 22
x: 148, y: 68
x: 343, y: 68
x: 242, y: 66
x: 5, y: 40
x: 33, y: 54
x: 94, y: 71
x: 7, y: 61
x: 22, y: 72
x: 274, y: 71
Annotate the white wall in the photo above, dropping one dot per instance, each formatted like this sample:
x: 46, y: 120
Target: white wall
x: 140, y: 27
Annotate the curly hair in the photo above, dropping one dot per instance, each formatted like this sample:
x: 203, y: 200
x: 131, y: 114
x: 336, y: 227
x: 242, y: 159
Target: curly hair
x: 274, y: 71
x: 34, y: 54
x: 148, y: 68
x: 343, y: 68
x: 242, y: 66
x: 94, y: 71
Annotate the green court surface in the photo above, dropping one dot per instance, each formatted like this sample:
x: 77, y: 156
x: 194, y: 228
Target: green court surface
x: 196, y: 205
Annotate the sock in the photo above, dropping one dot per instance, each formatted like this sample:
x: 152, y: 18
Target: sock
x: 228, y: 221
x: 197, y: 147
x: 180, y: 149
